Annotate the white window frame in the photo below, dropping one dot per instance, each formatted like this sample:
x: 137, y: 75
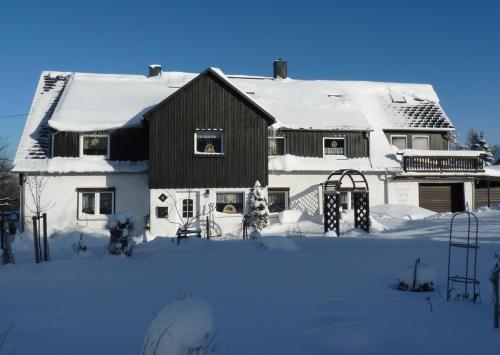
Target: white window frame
x: 400, y: 136
x: 334, y: 155
x: 281, y: 190
x: 231, y: 214
x: 208, y: 130
x: 95, y: 135
x: 421, y: 136
x: 97, y: 201
x: 284, y: 145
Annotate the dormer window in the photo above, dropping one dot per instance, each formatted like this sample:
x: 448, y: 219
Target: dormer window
x: 333, y: 146
x: 209, y: 142
x: 276, y: 145
x: 94, y: 145
x: 399, y: 141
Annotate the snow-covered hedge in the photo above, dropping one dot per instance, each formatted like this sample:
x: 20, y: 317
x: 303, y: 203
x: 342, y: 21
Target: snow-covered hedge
x: 183, y: 327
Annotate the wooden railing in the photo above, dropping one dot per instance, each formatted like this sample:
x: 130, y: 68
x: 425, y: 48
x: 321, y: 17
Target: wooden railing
x: 442, y: 164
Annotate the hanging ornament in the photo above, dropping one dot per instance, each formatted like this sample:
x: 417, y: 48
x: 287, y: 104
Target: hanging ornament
x: 209, y: 148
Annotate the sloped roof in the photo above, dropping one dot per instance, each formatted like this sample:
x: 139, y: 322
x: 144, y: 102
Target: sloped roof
x: 90, y: 102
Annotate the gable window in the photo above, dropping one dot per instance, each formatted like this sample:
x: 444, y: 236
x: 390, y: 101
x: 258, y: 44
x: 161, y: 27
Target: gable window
x: 210, y: 142
x: 421, y: 142
x: 277, y: 200
x: 276, y: 145
x: 94, y: 145
x: 95, y: 203
x: 399, y: 141
x: 333, y: 146
x: 229, y: 202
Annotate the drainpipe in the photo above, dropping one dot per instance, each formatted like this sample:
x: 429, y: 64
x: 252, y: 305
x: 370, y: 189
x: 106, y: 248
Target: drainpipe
x: 489, y: 198
x: 21, y: 201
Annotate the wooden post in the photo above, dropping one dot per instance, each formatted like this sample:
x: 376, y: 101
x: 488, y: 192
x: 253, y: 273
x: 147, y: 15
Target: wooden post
x: 208, y: 228
x: 45, y: 240
x: 489, y: 197
x: 35, y: 239
x: 496, y: 310
x: 2, y: 231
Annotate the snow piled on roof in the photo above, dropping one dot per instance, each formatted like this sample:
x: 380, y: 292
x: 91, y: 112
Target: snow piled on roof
x: 492, y: 170
x: 60, y: 165
x: 440, y: 153
x: 94, y: 102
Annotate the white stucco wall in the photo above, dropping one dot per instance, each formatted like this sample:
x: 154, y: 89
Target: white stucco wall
x: 131, y: 195
x: 220, y: 223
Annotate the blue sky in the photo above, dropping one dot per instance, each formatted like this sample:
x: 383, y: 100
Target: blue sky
x: 454, y: 45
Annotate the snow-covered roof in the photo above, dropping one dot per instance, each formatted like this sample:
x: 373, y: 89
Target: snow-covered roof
x: 440, y: 153
x: 90, y: 102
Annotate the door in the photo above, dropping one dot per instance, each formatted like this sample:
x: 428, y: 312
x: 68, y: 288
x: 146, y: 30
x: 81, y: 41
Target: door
x: 442, y: 197
x: 188, y: 209
x: 481, y: 193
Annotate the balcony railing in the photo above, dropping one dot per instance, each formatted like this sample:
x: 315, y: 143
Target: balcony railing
x: 454, y: 164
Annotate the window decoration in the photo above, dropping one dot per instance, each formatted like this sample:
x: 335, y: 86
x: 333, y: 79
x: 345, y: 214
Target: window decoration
x: 95, y: 203
x: 209, y: 142
x: 162, y: 197
x: 187, y: 208
x: 276, y: 145
x: 421, y: 142
x: 334, y: 146
x: 277, y: 200
x: 95, y: 145
x: 399, y: 142
x: 230, y: 203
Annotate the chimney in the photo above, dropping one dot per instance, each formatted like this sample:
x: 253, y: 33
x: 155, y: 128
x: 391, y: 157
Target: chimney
x: 280, y: 69
x: 154, y: 70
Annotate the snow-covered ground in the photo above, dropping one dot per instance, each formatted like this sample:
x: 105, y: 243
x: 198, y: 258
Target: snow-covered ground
x: 301, y: 294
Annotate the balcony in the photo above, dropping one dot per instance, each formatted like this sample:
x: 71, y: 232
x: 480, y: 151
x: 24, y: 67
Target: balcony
x: 445, y: 161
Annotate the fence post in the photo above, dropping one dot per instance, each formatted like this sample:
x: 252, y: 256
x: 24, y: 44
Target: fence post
x: 496, y: 310
x: 45, y: 240
x: 36, y: 240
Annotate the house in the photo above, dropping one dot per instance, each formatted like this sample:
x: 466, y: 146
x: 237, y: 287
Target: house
x: 172, y: 146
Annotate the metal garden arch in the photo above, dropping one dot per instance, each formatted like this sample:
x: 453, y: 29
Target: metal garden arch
x: 331, y: 199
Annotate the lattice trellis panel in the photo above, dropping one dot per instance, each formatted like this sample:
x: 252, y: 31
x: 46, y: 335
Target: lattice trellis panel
x: 362, y: 210
x: 331, y: 211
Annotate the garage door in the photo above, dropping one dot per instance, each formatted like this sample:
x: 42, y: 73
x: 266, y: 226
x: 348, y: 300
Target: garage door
x: 481, y: 193
x: 442, y: 197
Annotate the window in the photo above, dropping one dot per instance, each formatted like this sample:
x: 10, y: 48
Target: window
x: 187, y: 208
x: 94, y: 145
x: 277, y: 200
x: 229, y: 202
x: 421, y: 142
x: 209, y: 142
x: 333, y: 146
x: 399, y: 141
x: 95, y: 203
x: 276, y: 145
x: 162, y: 212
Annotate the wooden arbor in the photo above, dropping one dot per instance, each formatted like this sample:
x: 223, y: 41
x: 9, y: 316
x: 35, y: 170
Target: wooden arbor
x: 333, y: 186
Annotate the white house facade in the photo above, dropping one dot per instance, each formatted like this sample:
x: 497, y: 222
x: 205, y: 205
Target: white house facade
x: 174, y: 146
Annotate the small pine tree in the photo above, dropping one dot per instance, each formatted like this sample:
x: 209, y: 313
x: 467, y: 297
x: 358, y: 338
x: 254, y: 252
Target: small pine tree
x: 259, y: 211
x: 455, y: 143
x: 478, y: 142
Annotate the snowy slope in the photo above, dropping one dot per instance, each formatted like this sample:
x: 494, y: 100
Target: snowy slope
x: 300, y: 295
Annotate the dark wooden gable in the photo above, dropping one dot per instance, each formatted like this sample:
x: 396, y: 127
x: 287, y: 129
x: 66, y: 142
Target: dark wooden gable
x: 207, y: 102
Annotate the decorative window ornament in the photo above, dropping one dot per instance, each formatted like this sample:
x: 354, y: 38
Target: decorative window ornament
x: 209, y: 148
x: 162, y: 197
x: 229, y: 208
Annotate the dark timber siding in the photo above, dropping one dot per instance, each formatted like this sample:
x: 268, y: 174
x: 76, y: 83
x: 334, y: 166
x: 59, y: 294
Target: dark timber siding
x: 437, y: 140
x: 309, y: 143
x: 125, y: 144
x: 207, y: 102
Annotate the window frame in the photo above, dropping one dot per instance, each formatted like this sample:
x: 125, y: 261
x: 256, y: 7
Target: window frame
x: 97, y: 203
x: 108, y: 147
x: 286, y: 191
x: 400, y: 136
x: 243, y: 207
x: 221, y: 131
x: 284, y: 145
x: 335, y: 155
x: 421, y: 136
